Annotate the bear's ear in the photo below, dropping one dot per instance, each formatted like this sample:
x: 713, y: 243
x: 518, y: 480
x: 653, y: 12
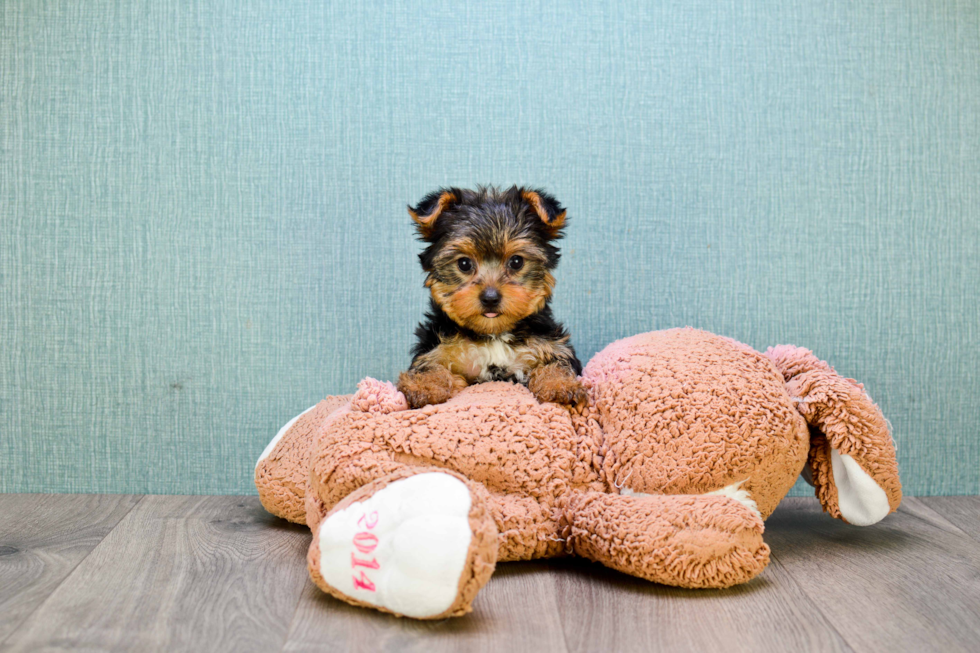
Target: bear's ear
x: 547, y: 208
x: 426, y: 212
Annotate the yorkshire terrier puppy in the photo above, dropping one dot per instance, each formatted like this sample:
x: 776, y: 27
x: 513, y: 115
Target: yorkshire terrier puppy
x: 489, y: 259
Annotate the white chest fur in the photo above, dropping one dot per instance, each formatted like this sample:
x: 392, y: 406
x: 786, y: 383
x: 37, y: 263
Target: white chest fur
x: 492, y: 359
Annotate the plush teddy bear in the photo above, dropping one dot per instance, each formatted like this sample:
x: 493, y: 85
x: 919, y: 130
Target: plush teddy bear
x: 687, y: 442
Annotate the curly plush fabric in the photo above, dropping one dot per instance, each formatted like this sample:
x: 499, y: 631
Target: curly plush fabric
x: 845, y: 421
x: 688, y: 440
x: 696, y: 397
x: 282, y: 473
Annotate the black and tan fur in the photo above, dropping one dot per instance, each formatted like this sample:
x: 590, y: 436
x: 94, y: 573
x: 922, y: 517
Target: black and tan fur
x: 489, y: 262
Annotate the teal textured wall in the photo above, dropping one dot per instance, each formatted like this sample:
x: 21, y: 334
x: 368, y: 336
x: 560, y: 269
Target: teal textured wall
x: 203, y: 224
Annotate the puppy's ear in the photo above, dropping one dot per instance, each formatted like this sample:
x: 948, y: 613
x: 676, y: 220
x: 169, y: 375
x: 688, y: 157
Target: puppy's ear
x: 428, y: 210
x: 547, y: 208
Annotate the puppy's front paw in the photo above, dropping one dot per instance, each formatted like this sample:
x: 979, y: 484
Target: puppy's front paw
x: 433, y: 386
x: 556, y: 384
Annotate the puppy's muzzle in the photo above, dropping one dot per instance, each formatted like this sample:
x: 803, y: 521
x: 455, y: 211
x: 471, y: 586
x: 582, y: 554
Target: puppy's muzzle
x: 490, y: 299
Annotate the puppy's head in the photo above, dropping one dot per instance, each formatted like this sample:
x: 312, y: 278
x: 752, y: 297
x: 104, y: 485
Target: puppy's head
x: 490, y: 254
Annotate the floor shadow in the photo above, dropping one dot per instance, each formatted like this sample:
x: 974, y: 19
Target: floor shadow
x: 579, y: 570
x: 799, y: 531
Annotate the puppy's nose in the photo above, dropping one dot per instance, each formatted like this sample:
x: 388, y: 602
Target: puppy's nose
x: 490, y: 297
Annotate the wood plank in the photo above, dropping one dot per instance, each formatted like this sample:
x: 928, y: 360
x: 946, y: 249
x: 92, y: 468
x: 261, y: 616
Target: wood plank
x: 218, y: 573
x: 904, y: 584
x: 179, y: 573
x: 515, y: 612
x: 42, y: 538
x: 916, y: 507
x: 603, y: 610
x: 962, y: 511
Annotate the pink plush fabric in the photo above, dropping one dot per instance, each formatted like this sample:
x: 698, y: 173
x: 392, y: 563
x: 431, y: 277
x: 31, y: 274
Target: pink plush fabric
x: 631, y: 479
x: 844, y: 419
x: 687, y: 412
x: 379, y: 397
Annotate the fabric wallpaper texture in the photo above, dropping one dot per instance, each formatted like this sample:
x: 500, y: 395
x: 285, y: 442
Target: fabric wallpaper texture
x: 203, y: 205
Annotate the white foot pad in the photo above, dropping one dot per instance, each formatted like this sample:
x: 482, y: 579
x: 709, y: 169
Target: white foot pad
x: 404, y: 548
x: 862, y: 502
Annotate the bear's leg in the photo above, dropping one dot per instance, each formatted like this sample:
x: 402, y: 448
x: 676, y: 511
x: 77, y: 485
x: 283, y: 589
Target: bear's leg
x: 282, y: 470
x: 681, y: 540
x: 528, y: 528
x: 419, y: 543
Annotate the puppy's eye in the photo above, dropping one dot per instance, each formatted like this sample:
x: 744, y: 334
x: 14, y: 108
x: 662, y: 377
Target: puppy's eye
x: 464, y: 264
x: 515, y: 262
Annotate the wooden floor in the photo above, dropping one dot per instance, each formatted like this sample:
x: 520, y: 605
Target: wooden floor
x: 218, y: 573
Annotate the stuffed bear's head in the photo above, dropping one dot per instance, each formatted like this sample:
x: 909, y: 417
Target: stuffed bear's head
x: 669, y: 400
